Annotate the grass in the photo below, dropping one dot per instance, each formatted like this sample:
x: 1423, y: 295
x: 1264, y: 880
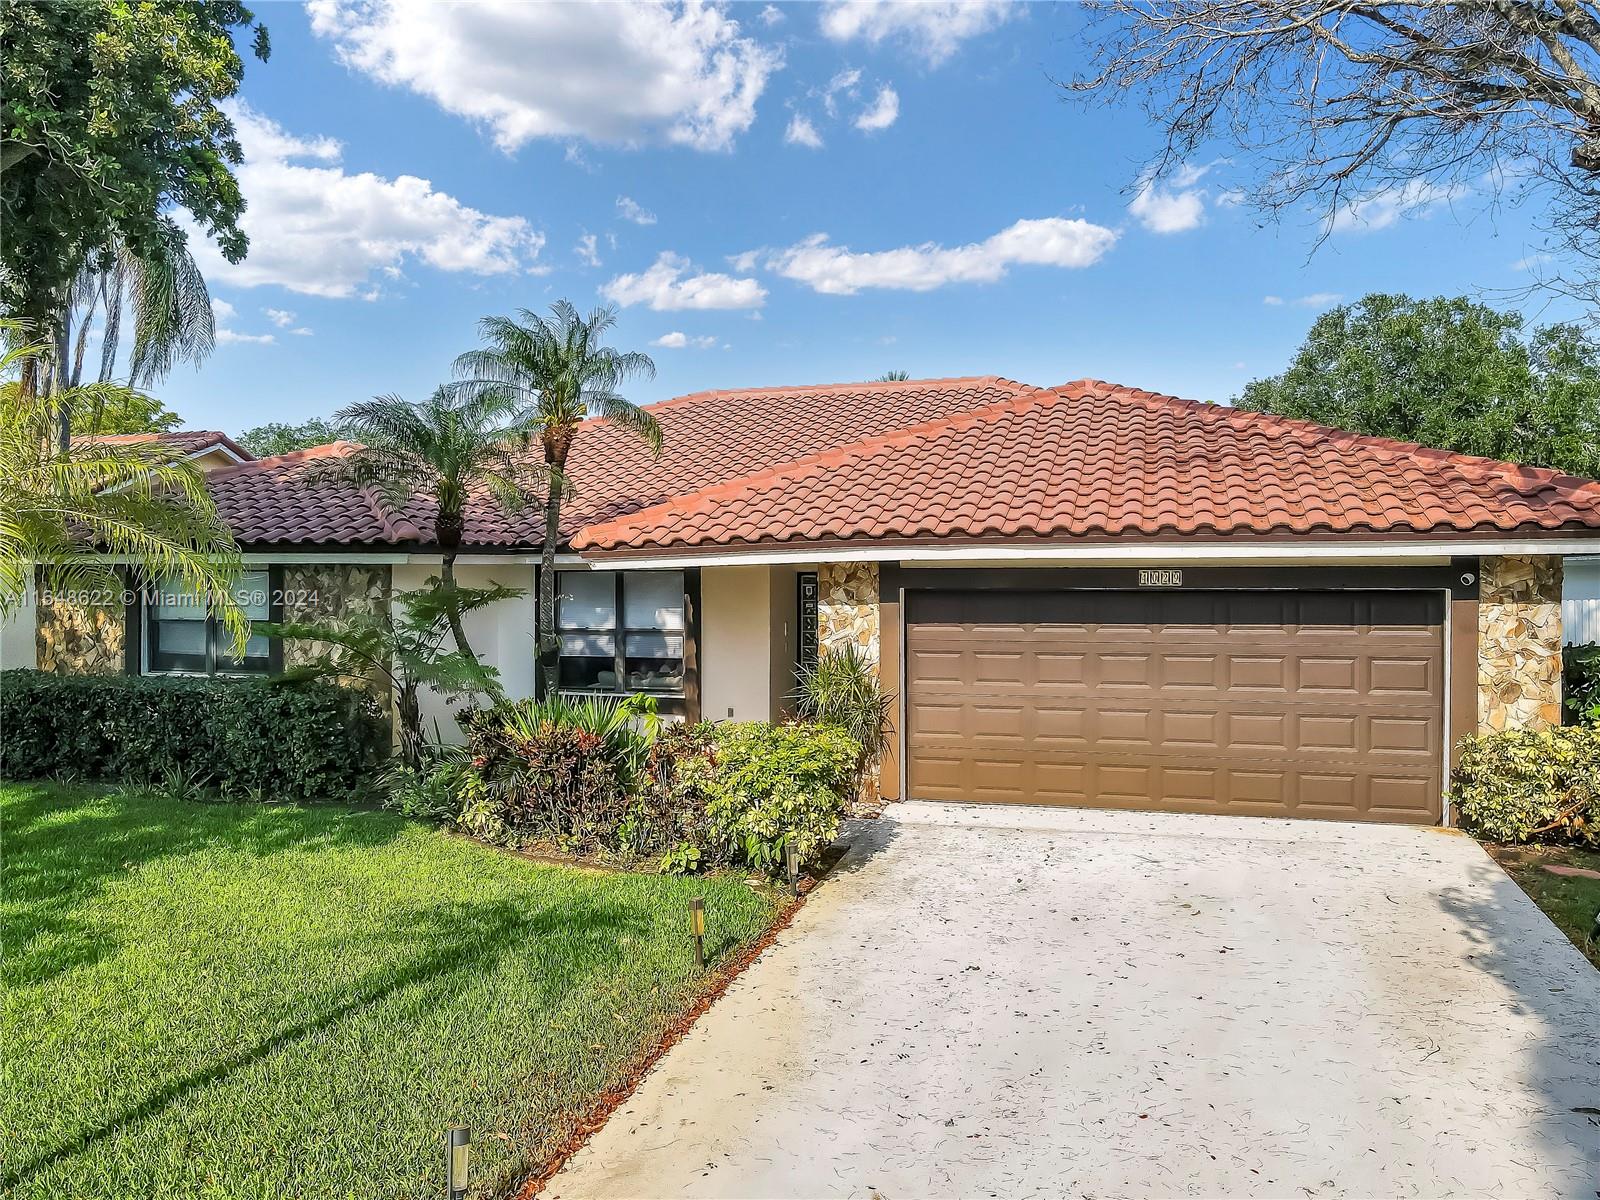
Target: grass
x: 279, y: 1001
x: 1568, y: 900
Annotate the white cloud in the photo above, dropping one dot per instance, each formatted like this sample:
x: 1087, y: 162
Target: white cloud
x: 668, y: 286
x: 882, y: 113
x: 612, y: 73
x: 935, y: 28
x: 280, y: 317
x: 588, y: 250
x: 321, y: 231
x: 1172, y: 208
x: 630, y: 209
x: 802, y: 132
x: 843, y: 84
x: 223, y: 313
x: 1311, y: 300
x: 1532, y: 262
x: 771, y: 15
x: 745, y: 261
x: 679, y: 341
x: 1382, y: 209
x: 1052, y: 241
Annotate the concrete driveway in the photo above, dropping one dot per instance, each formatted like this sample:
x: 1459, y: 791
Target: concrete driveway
x: 1035, y: 1002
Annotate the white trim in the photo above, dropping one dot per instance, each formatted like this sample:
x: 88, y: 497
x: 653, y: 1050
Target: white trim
x: 215, y: 446
x: 1104, y: 553
x: 1446, y: 706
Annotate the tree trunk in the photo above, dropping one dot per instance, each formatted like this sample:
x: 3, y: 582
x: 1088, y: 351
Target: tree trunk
x: 555, y: 456
x: 58, y: 372
x: 447, y: 531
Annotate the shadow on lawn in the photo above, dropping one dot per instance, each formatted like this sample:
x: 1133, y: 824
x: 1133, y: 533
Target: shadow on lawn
x: 63, y: 844
x: 461, y: 939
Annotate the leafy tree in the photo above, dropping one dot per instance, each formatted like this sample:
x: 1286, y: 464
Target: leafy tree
x: 120, y: 410
x: 112, y: 122
x: 1449, y: 373
x: 1334, y: 101
x: 454, y: 445
x: 281, y: 438
x: 556, y: 372
x: 406, y: 653
x: 64, y: 513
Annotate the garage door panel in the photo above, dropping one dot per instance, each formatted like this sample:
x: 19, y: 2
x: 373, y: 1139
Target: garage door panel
x: 1289, y: 703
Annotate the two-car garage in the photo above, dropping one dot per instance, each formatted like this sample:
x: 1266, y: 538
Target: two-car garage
x: 1306, y: 703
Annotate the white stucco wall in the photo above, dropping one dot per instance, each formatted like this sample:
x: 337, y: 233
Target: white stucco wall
x: 502, y: 635
x: 19, y: 646
x: 736, y: 675
x: 1580, y: 601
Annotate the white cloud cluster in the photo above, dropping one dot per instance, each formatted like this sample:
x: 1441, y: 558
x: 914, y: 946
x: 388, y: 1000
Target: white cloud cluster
x: 1312, y: 300
x: 630, y: 209
x: 881, y: 113
x: 614, y: 73
x: 933, y: 28
x: 837, y: 270
x: 317, y: 229
x: 677, y: 340
x: 588, y: 250
x: 1174, y: 207
x: 670, y: 284
x: 802, y: 132
x: 224, y: 314
x: 1382, y: 209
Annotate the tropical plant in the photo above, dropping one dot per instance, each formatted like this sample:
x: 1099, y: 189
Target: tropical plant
x: 73, y: 515
x: 1522, y: 786
x: 457, y: 444
x: 628, y: 725
x: 1447, y: 372
x: 113, y: 121
x: 893, y: 377
x: 401, y: 654
x: 1580, y: 672
x: 279, y: 437
x: 556, y: 372
x: 843, y: 689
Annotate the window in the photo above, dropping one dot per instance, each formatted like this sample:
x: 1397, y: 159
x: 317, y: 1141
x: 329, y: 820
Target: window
x: 620, y: 631
x: 183, y: 638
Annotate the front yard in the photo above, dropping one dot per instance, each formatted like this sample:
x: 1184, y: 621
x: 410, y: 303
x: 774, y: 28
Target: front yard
x: 1571, y: 901
x: 263, y: 1001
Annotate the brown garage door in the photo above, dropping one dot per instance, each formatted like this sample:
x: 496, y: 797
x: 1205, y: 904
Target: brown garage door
x: 1307, y: 704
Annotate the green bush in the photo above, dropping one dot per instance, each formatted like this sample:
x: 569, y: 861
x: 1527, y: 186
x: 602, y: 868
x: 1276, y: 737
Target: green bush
x: 1580, y: 682
x: 1521, y: 787
x: 843, y: 690
x: 244, y: 738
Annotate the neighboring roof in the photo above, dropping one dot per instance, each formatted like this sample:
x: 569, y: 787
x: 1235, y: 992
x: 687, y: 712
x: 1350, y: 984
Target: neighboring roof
x: 1091, y: 460
x: 188, y: 441
x: 303, y: 497
x: 708, y: 437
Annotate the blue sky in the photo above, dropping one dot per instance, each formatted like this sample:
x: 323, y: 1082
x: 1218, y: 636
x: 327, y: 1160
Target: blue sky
x: 774, y: 193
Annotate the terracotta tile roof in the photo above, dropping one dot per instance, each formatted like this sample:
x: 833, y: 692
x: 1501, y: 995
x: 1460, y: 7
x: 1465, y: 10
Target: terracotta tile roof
x: 301, y: 498
x: 1090, y: 460
x: 189, y: 441
x: 709, y: 438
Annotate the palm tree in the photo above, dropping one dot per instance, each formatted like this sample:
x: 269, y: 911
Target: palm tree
x: 455, y: 443
x: 558, y: 372
x: 893, y: 377
x: 74, y: 513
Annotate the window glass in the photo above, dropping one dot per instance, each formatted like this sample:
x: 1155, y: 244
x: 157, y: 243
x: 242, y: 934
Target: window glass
x: 652, y: 600
x: 586, y: 599
x: 183, y: 636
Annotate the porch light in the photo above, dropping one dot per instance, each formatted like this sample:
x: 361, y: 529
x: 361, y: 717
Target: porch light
x: 457, y: 1150
x: 697, y: 930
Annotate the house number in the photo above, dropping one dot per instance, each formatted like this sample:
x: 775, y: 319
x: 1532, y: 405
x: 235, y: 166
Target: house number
x: 1160, y: 578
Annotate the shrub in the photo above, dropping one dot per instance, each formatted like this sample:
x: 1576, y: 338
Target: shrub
x: 1580, y: 682
x: 1520, y: 787
x: 843, y: 689
x: 433, y: 790
x: 245, y: 738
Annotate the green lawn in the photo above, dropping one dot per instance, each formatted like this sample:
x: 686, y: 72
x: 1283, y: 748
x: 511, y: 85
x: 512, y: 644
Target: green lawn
x: 262, y: 1001
x: 1571, y: 901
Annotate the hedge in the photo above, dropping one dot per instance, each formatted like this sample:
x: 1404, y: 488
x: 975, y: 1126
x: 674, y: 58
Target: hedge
x: 1520, y: 787
x: 274, y: 739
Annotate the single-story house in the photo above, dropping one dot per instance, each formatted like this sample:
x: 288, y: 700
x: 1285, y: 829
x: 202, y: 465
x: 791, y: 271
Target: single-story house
x: 1086, y: 594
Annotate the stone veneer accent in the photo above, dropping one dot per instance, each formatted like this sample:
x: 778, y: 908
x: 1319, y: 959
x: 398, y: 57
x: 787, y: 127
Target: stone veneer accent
x: 847, y: 607
x: 75, y: 639
x: 1519, y: 643
x: 330, y: 593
